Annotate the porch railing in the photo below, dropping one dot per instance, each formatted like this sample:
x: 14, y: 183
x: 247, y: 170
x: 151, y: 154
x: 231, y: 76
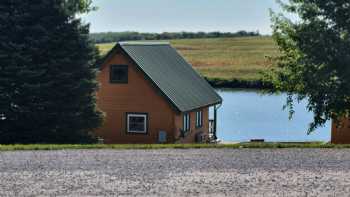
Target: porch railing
x: 211, y: 129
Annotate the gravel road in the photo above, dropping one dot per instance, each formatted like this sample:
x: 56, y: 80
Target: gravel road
x: 195, y: 172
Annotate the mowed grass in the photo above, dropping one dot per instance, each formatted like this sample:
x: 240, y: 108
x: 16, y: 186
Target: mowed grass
x: 268, y: 145
x: 242, y: 58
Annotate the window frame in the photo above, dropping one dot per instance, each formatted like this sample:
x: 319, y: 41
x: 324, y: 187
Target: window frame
x: 137, y: 114
x: 186, y: 122
x: 120, y: 66
x: 199, y: 119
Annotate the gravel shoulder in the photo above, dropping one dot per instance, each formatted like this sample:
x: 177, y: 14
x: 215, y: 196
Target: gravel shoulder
x: 174, y: 172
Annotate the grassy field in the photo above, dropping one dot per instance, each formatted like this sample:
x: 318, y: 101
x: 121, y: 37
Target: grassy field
x: 241, y: 59
x: 168, y: 146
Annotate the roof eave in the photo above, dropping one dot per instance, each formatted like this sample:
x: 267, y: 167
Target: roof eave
x: 106, y: 57
x: 202, y: 106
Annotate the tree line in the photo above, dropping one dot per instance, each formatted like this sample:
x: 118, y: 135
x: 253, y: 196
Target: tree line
x: 107, y: 37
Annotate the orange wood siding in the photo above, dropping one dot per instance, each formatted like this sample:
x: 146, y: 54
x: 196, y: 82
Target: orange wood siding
x: 341, y: 131
x: 138, y: 95
x: 190, y: 138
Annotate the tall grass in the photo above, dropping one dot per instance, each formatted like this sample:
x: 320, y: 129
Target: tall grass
x: 240, y: 59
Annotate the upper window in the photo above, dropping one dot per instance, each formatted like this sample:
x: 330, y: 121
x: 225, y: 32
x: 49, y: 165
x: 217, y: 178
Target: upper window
x: 186, y: 122
x: 199, y: 119
x: 137, y: 123
x: 119, y: 74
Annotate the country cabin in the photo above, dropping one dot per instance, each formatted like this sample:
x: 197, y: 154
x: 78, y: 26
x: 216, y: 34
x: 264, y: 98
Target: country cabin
x: 341, y: 131
x: 150, y: 94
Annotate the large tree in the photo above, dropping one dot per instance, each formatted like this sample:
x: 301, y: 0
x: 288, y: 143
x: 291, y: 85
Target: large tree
x: 315, y: 56
x: 47, y: 73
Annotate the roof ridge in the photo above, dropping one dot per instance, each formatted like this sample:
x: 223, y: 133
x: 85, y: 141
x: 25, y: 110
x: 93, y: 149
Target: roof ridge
x: 144, y: 43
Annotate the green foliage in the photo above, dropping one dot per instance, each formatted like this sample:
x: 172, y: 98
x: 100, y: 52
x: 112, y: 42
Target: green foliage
x: 77, y: 6
x: 124, y: 36
x: 47, y: 74
x: 237, y: 83
x: 315, y: 60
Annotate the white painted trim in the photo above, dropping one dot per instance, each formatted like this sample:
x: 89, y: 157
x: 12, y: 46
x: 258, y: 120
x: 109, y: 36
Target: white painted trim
x: 145, y: 123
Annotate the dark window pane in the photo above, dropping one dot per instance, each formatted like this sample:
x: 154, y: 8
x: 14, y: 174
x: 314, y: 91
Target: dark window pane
x: 137, y: 124
x: 199, y: 119
x: 186, y: 122
x: 119, y: 74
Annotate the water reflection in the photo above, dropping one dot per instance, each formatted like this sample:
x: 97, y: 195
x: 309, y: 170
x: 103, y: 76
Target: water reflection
x: 247, y: 114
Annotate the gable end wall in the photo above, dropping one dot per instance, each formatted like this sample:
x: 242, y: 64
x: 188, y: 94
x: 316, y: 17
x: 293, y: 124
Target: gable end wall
x: 139, y: 96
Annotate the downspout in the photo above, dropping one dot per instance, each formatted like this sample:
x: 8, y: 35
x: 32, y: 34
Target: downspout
x: 216, y: 107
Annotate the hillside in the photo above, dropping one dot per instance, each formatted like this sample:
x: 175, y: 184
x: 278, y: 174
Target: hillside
x: 230, y: 59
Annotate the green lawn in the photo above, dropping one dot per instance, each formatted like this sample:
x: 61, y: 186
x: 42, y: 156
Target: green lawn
x: 168, y: 146
x: 240, y: 59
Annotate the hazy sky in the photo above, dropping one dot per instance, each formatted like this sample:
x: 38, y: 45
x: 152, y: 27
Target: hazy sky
x: 181, y: 15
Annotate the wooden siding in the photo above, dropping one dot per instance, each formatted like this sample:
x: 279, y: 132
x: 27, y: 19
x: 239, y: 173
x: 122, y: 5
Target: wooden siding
x: 191, y: 136
x: 137, y: 96
x: 341, y: 131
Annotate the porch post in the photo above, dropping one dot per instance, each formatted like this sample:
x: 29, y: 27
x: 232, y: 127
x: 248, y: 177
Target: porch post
x: 215, y: 119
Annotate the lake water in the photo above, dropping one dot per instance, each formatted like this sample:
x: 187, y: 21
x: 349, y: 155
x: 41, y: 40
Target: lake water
x: 247, y: 114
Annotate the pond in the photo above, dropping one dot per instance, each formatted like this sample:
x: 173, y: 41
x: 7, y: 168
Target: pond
x: 248, y: 114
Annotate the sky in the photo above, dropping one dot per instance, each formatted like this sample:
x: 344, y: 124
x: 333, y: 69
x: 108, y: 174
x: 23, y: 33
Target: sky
x: 181, y: 15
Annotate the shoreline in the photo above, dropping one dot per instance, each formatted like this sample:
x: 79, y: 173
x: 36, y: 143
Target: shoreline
x: 239, y: 84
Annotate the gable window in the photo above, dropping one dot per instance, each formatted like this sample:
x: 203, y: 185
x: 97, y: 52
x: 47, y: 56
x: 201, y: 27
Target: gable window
x: 119, y: 74
x: 199, y: 119
x: 137, y: 123
x: 186, y: 122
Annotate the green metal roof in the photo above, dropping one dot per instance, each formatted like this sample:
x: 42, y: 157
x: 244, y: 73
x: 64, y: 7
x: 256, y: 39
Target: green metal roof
x: 176, y: 78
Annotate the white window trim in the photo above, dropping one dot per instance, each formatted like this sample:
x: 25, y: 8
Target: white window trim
x: 199, y: 119
x: 186, y: 122
x: 137, y: 115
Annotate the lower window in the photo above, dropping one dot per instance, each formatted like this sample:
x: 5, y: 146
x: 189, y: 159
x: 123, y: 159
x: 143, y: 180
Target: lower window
x: 199, y: 119
x: 137, y: 123
x: 186, y: 122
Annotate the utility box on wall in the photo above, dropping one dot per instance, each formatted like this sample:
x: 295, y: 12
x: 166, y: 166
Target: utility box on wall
x: 162, y: 137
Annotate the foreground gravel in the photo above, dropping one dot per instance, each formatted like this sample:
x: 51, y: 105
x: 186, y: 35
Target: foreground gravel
x: 196, y: 172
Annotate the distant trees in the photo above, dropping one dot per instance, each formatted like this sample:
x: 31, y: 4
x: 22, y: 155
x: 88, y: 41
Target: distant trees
x: 47, y: 73
x: 124, y: 36
x: 315, y: 59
